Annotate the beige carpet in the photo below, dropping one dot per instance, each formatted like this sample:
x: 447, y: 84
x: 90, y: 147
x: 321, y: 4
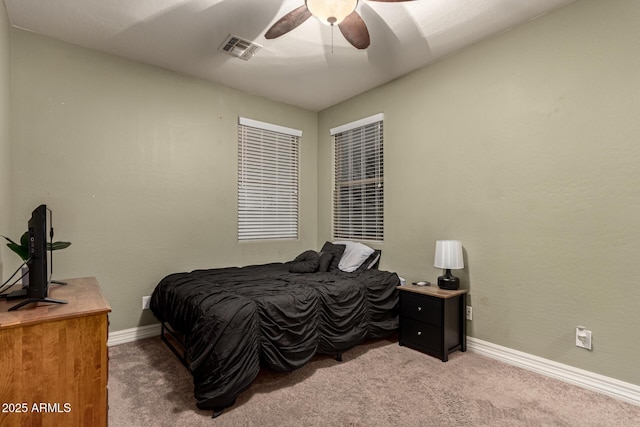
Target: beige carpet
x: 377, y: 384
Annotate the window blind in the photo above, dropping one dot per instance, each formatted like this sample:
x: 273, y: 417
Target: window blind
x: 267, y: 181
x: 358, y: 202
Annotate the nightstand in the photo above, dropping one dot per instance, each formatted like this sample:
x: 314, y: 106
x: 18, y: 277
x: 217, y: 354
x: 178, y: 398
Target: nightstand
x: 432, y: 320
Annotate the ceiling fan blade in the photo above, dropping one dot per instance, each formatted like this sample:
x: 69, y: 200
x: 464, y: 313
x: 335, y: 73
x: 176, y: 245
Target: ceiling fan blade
x: 355, y: 30
x: 288, y: 22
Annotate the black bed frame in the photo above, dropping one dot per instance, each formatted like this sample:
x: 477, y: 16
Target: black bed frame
x: 175, y: 341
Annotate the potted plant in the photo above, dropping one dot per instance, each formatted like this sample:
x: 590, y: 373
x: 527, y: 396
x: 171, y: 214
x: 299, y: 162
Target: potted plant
x: 22, y: 250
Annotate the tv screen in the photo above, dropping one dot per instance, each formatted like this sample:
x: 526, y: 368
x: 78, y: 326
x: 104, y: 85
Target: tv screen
x: 38, y: 272
x: 38, y: 288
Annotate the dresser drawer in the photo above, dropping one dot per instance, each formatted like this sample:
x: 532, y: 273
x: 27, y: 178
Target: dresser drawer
x: 421, y: 307
x: 420, y: 335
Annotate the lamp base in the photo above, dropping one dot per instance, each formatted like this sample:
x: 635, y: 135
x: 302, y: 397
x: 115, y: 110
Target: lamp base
x: 448, y: 281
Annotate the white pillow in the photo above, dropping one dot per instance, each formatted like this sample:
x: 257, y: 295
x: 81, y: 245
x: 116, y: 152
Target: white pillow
x: 354, y: 255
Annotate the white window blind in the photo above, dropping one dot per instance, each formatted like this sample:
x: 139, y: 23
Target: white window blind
x: 267, y: 181
x: 358, y: 201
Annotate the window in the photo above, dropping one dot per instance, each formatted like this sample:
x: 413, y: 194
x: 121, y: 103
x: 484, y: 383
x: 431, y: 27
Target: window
x: 267, y: 181
x: 358, y: 198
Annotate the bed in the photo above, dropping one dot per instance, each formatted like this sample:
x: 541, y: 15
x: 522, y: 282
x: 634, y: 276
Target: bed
x: 225, y: 323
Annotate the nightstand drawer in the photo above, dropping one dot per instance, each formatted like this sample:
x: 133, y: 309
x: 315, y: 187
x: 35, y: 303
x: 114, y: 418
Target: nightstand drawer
x: 421, y: 335
x: 421, y: 307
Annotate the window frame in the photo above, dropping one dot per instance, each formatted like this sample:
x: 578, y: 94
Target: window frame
x: 362, y: 190
x: 268, y: 204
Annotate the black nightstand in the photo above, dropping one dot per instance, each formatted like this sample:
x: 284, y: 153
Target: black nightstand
x: 432, y: 320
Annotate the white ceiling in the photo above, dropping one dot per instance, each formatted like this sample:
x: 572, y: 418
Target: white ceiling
x: 304, y: 68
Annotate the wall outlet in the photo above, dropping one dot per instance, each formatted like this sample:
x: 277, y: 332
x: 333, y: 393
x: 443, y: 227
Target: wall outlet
x: 146, y: 301
x: 469, y: 313
x: 583, y: 338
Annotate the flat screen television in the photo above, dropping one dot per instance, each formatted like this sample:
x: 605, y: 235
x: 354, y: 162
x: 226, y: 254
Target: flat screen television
x: 38, y: 289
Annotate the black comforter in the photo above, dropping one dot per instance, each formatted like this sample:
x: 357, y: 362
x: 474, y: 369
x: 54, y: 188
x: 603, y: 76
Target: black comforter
x: 235, y: 319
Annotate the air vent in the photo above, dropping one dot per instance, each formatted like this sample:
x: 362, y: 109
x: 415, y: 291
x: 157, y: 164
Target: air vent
x: 239, y: 47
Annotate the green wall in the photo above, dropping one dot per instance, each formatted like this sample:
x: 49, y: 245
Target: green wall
x: 139, y: 166
x: 5, y: 139
x: 526, y: 148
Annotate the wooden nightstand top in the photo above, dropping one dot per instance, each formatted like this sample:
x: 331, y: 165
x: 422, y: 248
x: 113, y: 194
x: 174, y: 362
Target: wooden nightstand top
x: 432, y: 290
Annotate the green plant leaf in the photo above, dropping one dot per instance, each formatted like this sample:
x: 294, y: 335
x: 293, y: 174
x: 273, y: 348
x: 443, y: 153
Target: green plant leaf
x: 20, y: 250
x: 58, y: 245
x: 24, y: 240
x: 10, y: 241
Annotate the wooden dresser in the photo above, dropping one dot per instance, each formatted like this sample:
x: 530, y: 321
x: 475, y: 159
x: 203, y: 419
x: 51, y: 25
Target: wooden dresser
x: 54, y: 358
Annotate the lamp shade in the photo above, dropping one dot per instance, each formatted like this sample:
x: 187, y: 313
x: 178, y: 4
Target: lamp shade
x: 331, y: 12
x: 448, y: 254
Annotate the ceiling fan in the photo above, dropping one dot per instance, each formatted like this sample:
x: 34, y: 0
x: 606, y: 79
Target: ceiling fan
x: 331, y: 12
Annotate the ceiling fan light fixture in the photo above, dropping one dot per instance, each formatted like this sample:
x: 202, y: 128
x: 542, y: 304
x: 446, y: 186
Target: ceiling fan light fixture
x: 331, y: 12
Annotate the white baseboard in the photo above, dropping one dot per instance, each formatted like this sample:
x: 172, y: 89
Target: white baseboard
x: 599, y: 383
x: 133, y: 334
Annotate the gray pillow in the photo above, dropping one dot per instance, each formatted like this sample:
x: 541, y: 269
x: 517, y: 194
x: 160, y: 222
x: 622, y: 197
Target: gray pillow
x: 325, y: 261
x: 337, y: 251
x: 306, y: 262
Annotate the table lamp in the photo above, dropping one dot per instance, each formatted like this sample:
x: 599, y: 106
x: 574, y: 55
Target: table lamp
x: 448, y: 257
